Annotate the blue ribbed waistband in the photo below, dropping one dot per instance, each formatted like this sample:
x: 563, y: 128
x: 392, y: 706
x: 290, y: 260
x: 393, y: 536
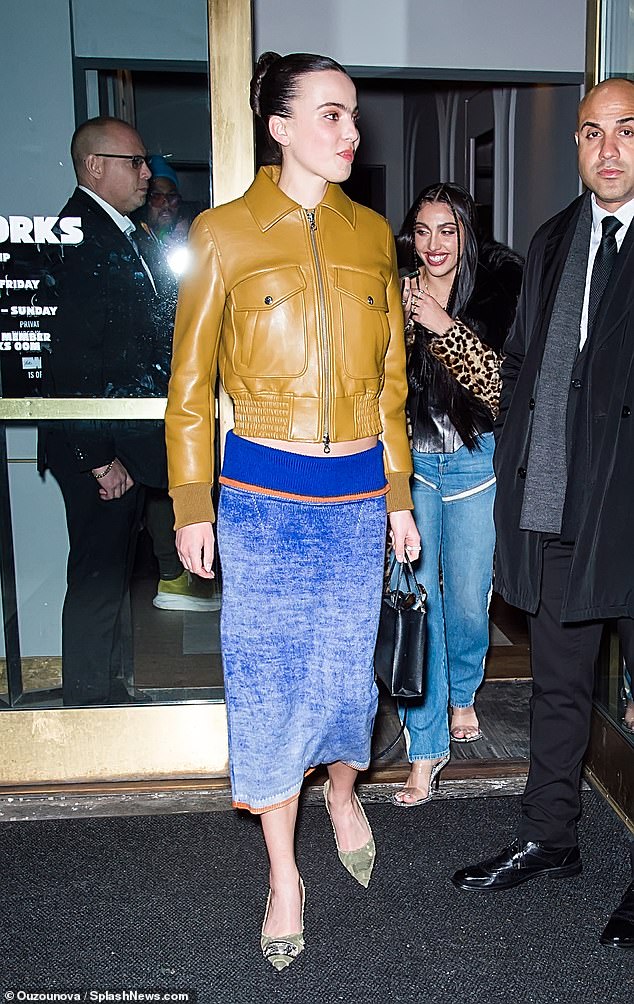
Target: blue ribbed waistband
x: 251, y: 466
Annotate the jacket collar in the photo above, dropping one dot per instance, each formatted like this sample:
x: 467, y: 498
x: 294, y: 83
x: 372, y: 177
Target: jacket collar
x: 99, y: 216
x: 556, y: 250
x: 268, y: 204
x: 618, y: 296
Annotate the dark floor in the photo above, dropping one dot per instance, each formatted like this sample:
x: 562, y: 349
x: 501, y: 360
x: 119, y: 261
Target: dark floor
x: 502, y: 701
x: 175, y: 902
x: 504, y: 719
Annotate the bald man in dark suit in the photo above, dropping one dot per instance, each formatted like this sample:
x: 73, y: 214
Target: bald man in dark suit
x: 105, y: 343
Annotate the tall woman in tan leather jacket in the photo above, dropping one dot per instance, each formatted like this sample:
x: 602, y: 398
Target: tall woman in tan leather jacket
x: 294, y: 300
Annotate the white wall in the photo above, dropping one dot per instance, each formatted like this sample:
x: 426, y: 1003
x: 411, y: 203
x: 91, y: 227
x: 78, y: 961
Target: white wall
x: 141, y: 29
x: 547, y: 35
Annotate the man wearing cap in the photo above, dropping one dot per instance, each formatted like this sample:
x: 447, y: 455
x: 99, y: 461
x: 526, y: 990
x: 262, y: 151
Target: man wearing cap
x: 162, y: 214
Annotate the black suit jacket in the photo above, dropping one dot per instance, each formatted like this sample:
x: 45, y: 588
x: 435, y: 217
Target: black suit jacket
x: 601, y: 444
x: 105, y: 341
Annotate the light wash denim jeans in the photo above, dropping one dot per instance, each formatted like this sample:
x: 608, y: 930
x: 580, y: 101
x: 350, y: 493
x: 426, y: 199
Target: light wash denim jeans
x: 453, y: 506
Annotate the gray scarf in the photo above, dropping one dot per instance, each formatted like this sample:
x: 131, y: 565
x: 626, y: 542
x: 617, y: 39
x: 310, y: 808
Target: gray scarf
x: 546, y: 473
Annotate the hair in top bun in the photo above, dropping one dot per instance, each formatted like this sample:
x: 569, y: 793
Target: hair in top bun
x: 275, y: 83
x: 261, y: 67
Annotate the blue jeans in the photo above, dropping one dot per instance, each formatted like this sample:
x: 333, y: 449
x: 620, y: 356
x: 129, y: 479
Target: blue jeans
x: 453, y: 506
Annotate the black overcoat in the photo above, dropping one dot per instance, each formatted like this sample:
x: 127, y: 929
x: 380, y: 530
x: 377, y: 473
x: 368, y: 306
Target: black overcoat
x: 105, y: 342
x: 601, y: 581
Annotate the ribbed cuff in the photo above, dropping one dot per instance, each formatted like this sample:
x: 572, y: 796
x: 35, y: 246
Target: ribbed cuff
x: 192, y: 504
x: 399, y: 496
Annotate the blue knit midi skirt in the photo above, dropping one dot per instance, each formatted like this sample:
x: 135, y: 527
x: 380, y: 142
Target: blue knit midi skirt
x: 301, y: 542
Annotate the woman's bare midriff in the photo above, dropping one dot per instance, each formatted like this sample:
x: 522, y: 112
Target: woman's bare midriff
x: 344, y: 449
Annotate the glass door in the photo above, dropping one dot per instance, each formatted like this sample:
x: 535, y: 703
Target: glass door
x: 85, y: 695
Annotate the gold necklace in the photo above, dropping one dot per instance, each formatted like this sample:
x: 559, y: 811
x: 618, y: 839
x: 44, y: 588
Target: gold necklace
x: 427, y: 290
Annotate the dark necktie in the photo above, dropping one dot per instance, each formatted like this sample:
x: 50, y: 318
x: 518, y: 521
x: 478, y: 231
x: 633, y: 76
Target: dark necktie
x: 603, y: 262
x: 130, y: 235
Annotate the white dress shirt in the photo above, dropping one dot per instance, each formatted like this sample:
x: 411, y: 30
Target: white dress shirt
x: 625, y: 215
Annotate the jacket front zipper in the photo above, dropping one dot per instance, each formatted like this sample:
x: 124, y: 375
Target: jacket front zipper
x: 310, y: 213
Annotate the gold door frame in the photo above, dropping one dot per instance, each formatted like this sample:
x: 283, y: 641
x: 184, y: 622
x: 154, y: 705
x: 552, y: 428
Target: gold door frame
x: 100, y: 745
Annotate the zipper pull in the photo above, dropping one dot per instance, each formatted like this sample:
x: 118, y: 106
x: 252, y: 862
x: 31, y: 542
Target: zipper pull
x: 310, y: 213
x: 326, y: 443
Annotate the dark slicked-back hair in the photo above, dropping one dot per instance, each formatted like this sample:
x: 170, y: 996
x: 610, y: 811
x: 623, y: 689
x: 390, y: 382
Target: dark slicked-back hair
x: 275, y: 83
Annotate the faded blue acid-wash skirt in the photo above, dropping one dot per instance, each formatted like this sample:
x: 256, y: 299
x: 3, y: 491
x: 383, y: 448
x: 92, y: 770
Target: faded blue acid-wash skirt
x: 301, y: 541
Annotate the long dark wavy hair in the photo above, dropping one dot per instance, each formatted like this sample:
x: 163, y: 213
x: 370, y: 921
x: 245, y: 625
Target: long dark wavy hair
x: 462, y: 208
x: 429, y: 379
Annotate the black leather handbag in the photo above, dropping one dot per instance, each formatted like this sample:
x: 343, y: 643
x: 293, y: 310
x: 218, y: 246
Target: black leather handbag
x: 399, y: 657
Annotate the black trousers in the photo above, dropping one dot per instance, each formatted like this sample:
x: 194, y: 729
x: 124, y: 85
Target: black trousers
x: 96, y: 642
x: 159, y: 522
x: 563, y: 658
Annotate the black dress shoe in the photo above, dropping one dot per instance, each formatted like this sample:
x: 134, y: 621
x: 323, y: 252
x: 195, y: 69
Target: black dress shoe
x: 619, y: 930
x: 520, y: 862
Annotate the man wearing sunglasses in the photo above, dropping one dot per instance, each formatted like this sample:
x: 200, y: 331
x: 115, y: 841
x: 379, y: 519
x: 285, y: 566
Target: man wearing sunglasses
x: 105, y: 343
x: 164, y: 203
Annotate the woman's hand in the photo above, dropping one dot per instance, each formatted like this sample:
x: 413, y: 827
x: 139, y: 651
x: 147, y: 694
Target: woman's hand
x: 403, y: 535
x: 408, y: 289
x: 195, y: 546
x: 428, y: 312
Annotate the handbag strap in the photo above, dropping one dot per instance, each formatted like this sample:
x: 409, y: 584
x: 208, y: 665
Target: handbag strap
x: 412, y: 583
x: 399, y: 735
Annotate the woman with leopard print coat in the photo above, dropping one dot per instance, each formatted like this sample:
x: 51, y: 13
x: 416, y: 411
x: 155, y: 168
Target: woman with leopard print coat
x: 459, y: 302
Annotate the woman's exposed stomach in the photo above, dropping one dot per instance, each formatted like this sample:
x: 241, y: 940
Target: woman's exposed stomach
x: 344, y: 449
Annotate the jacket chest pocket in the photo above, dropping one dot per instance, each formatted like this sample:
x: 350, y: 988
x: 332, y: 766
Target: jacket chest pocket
x: 269, y: 321
x: 364, y: 331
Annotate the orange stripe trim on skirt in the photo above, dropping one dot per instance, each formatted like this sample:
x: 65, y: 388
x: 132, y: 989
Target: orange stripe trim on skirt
x: 274, y: 493
x: 276, y: 805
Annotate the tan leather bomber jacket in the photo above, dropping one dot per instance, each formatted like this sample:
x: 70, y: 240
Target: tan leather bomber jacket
x: 300, y: 313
